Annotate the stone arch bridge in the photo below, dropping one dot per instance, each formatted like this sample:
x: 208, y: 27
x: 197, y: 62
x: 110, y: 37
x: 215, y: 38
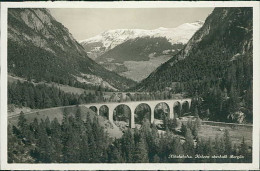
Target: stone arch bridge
x: 134, y: 104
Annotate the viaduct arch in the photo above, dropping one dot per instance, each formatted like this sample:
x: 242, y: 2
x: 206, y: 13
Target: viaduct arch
x: 133, y: 105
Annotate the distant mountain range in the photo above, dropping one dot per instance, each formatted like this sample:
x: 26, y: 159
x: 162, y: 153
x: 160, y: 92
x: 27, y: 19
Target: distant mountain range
x: 42, y: 49
x: 135, y: 53
x: 95, y: 46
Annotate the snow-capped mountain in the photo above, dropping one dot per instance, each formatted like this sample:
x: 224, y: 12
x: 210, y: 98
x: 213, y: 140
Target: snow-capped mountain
x: 98, y: 45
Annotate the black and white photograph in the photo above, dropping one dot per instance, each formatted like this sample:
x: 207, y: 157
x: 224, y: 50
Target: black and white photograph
x: 130, y: 85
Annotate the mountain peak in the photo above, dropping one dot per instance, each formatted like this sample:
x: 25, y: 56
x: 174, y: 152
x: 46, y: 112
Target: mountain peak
x: 109, y: 39
x: 134, y: 33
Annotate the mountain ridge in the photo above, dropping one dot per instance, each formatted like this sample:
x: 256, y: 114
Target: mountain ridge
x: 109, y: 39
x: 205, y: 37
x: 50, y: 53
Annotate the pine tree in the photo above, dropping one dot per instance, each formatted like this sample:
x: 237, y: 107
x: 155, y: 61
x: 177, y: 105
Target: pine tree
x: 47, y: 125
x: 18, y: 152
x: 56, y: 138
x: 243, y: 150
x: 183, y: 129
x: 141, y: 153
x: 79, y: 124
x: 92, y: 148
x: 196, y: 112
x: 234, y: 100
x: 78, y: 113
x: 84, y: 149
x: 22, y: 123
x: 128, y: 145
x: 189, y: 143
x: 199, y: 147
x: 177, y: 148
x: 114, y: 155
x: 45, y: 149
x: 88, y: 125
x: 99, y: 138
x: 195, y: 131
x: 227, y: 141
x: 71, y: 152
x: 152, y: 139
x: 34, y: 127
x: 12, y: 140
x: 243, y: 147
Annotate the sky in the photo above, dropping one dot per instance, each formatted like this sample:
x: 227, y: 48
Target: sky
x: 86, y: 23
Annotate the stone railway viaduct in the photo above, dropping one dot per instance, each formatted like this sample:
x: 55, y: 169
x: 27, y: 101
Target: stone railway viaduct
x: 134, y: 104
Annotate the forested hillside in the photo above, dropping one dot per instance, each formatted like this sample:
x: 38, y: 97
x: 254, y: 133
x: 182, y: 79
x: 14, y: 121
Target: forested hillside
x: 75, y: 140
x: 42, y: 49
x: 215, y: 67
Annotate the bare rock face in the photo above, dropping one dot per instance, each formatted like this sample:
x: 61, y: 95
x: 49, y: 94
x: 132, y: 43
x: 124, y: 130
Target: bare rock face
x: 42, y: 30
x: 35, y: 20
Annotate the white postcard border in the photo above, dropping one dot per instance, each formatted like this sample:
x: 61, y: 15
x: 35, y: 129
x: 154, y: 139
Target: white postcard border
x: 127, y: 166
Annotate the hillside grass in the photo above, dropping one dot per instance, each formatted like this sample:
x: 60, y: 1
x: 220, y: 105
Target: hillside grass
x: 57, y: 112
x: 211, y: 129
x: 65, y: 88
x: 236, y: 133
